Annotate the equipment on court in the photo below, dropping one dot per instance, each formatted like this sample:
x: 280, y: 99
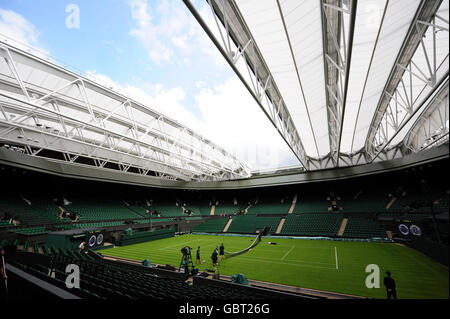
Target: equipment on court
x: 239, y: 279
x: 186, y: 264
x: 146, y: 263
x: 254, y: 243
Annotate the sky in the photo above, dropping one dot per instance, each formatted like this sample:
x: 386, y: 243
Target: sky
x: 157, y: 52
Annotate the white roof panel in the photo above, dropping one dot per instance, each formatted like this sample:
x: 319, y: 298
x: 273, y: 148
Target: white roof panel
x: 304, y: 98
x: 394, y: 29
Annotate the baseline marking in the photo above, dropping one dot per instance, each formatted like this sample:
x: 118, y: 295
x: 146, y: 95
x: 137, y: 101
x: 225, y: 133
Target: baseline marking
x: 181, y: 244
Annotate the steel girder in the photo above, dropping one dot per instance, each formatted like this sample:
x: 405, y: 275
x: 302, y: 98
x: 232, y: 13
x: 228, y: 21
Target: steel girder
x: 431, y: 128
x: 337, y: 44
x: 43, y: 106
x: 398, y: 96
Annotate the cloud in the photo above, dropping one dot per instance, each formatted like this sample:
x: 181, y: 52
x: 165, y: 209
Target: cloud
x: 167, y: 101
x: 170, y: 33
x: 233, y: 120
x: 228, y: 116
x: 20, y: 33
x: 160, y: 38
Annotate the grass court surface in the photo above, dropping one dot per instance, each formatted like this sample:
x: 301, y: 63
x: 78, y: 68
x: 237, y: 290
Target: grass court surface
x: 335, y: 266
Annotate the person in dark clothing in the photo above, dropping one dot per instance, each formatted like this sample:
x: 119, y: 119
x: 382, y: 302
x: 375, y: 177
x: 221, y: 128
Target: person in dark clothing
x: 221, y: 251
x: 389, y: 283
x: 214, y: 258
x: 197, y: 260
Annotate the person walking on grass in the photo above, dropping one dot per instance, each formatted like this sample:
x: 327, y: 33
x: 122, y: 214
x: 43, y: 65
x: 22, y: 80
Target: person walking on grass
x: 221, y: 251
x: 214, y: 258
x: 197, y: 260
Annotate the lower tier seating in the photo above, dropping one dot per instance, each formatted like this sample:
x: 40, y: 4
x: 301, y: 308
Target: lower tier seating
x: 306, y: 224
x: 361, y: 227
x: 108, y: 280
x: 251, y: 223
x: 211, y: 226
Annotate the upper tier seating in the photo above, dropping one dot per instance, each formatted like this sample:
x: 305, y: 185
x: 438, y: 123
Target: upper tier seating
x: 97, y: 209
x: 226, y: 207
x: 307, y: 203
x: 24, y: 211
x: 167, y: 208
x: 270, y: 206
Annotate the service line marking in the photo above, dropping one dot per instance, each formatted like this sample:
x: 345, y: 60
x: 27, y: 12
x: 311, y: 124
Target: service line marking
x: 282, y: 258
x: 335, y: 253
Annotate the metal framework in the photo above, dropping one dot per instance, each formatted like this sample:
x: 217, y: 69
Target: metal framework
x: 418, y: 76
x: 45, y: 109
x: 431, y: 128
x: 338, y: 43
x: 411, y: 83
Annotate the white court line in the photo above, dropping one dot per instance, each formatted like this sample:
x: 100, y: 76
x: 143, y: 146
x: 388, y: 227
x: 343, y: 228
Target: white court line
x: 297, y: 263
x: 282, y: 258
x: 335, y: 253
x: 180, y: 244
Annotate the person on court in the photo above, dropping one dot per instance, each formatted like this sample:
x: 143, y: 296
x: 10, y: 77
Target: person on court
x: 214, y: 258
x: 197, y: 260
x: 221, y: 251
x: 389, y: 283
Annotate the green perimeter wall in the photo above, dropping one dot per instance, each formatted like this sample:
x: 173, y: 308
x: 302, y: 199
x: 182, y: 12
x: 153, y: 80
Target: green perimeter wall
x: 64, y: 241
x: 146, y: 236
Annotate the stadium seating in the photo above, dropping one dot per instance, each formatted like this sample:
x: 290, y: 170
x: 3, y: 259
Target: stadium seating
x: 211, y: 226
x: 108, y: 280
x: 30, y: 231
x: 251, y: 223
x: 270, y: 206
x: 98, y: 209
x: 360, y: 227
x: 314, y: 204
x: 112, y: 205
x: 227, y: 207
x: 24, y: 211
x: 167, y: 209
x: 43, y: 205
x: 307, y: 224
x: 364, y: 202
x: 5, y: 223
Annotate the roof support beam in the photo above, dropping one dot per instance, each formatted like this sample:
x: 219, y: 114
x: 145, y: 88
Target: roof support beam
x: 337, y: 51
x: 406, y: 70
x: 431, y: 127
x: 389, y: 139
